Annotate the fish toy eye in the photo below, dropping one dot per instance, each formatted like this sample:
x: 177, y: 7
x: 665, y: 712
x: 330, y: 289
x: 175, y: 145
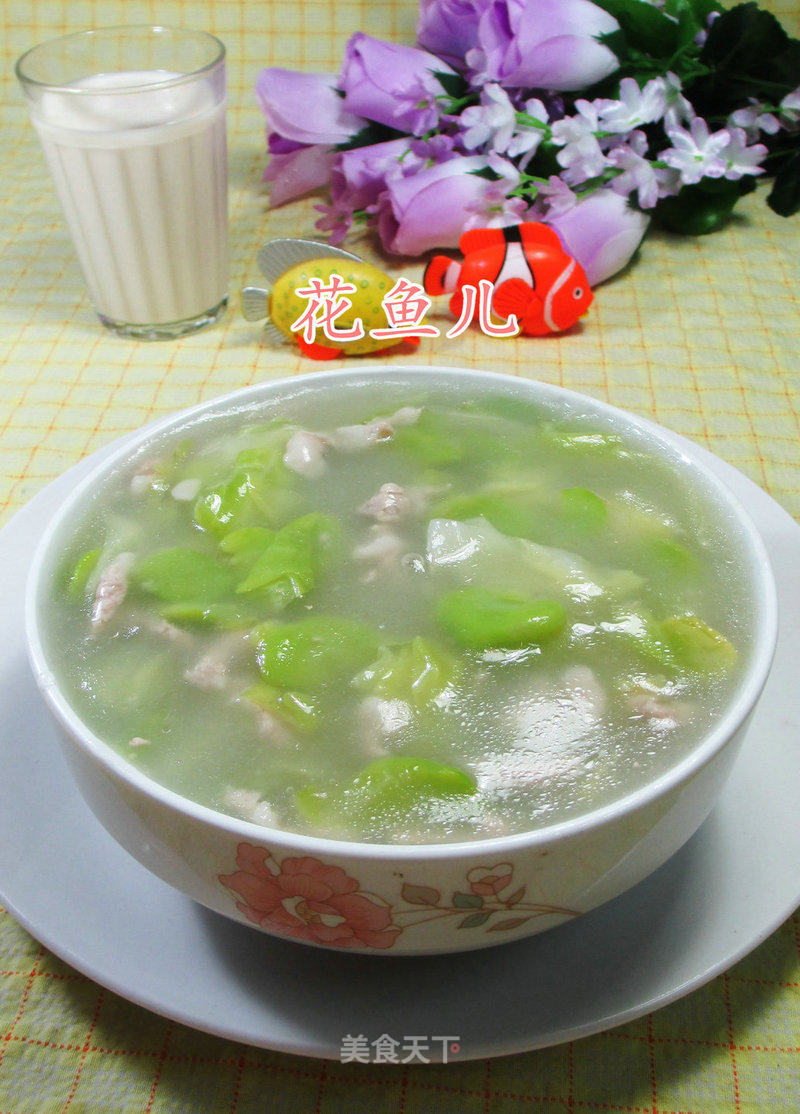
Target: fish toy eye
x: 577, y: 292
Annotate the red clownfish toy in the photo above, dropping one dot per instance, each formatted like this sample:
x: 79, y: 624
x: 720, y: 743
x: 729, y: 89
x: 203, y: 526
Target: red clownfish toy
x: 533, y: 277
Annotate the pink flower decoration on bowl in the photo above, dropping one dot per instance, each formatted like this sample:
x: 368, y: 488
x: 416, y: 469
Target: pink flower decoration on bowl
x: 304, y: 899
x: 490, y: 880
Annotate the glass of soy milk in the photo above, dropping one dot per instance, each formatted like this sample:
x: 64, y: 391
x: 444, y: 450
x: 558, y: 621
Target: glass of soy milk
x: 132, y: 123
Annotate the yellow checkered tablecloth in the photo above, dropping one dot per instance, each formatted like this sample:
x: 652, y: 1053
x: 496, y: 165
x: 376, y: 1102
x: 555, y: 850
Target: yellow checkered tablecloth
x: 701, y: 335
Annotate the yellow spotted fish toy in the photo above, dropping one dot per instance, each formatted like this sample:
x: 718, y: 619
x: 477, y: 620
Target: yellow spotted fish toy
x: 303, y: 265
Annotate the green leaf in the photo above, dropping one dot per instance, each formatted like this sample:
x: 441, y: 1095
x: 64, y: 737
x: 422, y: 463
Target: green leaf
x: 419, y: 895
x: 700, y: 209
x: 784, y: 198
x: 646, y: 27
x: 371, y: 134
x: 453, y: 84
x: 747, y: 54
x: 474, y: 920
x: 508, y: 924
x: 467, y: 901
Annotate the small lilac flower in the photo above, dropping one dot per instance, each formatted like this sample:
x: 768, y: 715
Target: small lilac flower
x: 754, y: 120
x: 678, y: 111
x: 696, y: 153
x: 554, y: 197
x: 490, y: 124
x: 449, y: 28
x: 635, y: 106
x: 580, y: 154
x: 336, y: 221
x: 638, y: 173
x: 741, y: 159
x: 790, y: 109
x: 391, y: 84
x: 527, y: 137
x: 434, y: 149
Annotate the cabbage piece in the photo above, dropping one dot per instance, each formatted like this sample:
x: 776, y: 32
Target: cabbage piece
x: 418, y: 672
x: 475, y: 550
x: 297, y: 709
x: 697, y: 646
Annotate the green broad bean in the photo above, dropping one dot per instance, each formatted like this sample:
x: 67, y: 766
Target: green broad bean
x: 311, y: 653
x: 220, y: 616
x: 180, y: 574
x: 288, y: 566
x: 393, y: 784
x: 480, y: 618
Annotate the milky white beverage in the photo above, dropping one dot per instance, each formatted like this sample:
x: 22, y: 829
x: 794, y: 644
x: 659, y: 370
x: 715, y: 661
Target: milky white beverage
x: 138, y: 157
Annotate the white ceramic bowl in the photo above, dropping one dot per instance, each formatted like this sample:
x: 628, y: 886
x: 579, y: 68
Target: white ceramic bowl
x: 426, y: 898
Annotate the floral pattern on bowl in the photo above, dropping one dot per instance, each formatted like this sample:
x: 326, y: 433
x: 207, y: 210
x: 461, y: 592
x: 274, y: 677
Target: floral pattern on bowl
x: 304, y: 899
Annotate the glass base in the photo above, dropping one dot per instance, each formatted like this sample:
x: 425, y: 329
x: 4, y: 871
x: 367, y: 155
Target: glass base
x: 166, y: 330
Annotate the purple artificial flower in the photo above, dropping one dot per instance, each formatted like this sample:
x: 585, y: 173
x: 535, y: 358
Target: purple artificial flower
x: 434, y: 206
x: 527, y: 137
x: 391, y: 84
x: 360, y: 174
x: 696, y: 153
x: 679, y: 111
x: 554, y: 198
x: 304, y: 107
x: 491, y: 124
x: 544, y: 44
x: 637, y: 172
x: 294, y: 173
x: 789, y: 110
x: 580, y: 154
x: 602, y: 232
x: 754, y: 120
x: 449, y: 28
x: 635, y: 106
x: 741, y: 159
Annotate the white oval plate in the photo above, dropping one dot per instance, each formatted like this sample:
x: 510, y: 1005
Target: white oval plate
x: 73, y: 888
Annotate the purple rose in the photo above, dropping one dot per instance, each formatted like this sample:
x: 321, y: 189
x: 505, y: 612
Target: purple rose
x: 432, y: 207
x: 449, y: 28
x: 602, y: 232
x: 294, y: 173
x: 304, y: 107
x: 393, y: 85
x: 546, y: 44
x: 360, y: 174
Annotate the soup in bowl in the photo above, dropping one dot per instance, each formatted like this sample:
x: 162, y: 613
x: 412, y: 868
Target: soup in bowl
x: 401, y: 660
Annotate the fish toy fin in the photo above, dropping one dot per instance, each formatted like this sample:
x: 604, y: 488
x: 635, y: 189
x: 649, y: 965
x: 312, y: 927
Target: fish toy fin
x: 255, y: 307
x: 255, y: 303
x: 435, y: 275
x: 514, y: 296
x: 316, y: 351
x: 278, y: 256
x: 478, y: 238
x: 540, y: 235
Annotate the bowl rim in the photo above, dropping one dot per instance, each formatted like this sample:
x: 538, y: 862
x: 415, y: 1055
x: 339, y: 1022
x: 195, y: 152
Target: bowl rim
x: 667, y: 444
